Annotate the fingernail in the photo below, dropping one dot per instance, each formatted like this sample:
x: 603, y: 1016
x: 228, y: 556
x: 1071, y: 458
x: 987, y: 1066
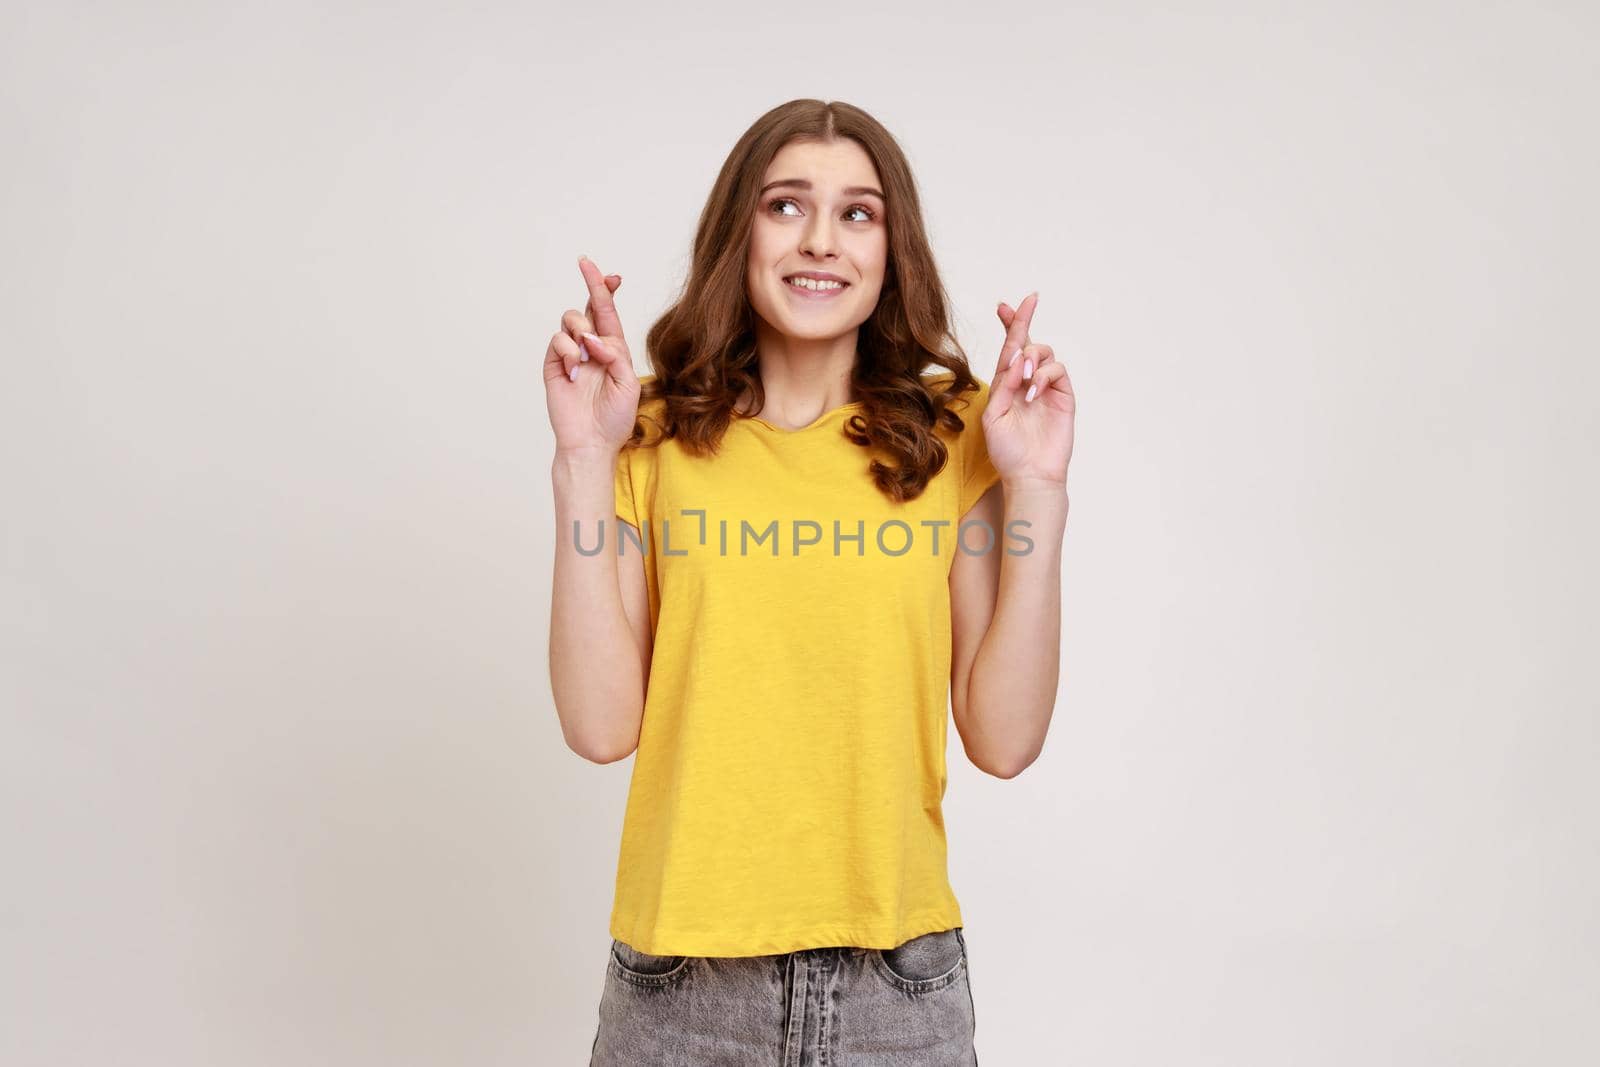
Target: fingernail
x: 1013, y: 358
x: 583, y: 354
x: 591, y: 337
x: 1031, y: 390
x: 1027, y: 368
x: 573, y: 374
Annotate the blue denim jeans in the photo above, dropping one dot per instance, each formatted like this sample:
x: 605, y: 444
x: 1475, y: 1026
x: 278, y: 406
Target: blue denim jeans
x: 818, y: 1007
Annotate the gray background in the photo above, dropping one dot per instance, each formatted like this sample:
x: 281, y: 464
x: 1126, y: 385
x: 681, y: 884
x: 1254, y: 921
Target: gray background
x: 282, y: 779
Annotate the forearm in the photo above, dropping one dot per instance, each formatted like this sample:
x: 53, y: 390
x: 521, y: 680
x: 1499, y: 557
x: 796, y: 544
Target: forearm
x: 1011, y: 690
x: 595, y: 673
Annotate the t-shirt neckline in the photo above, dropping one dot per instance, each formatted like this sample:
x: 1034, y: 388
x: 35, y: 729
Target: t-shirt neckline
x: 818, y: 421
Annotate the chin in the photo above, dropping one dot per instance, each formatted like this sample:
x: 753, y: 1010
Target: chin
x: 820, y: 328
x: 815, y: 334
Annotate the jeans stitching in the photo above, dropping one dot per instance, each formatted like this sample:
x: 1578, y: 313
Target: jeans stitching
x: 640, y: 978
x: 917, y: 986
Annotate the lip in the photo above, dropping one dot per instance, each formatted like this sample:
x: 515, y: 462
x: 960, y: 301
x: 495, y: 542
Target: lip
x: 812, y: 294
x: 816, y: 276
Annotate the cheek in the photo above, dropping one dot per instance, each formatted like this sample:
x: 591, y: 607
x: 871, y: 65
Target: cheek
x: 765, y: 241
x: 874, y: 264
x: 873, y: 253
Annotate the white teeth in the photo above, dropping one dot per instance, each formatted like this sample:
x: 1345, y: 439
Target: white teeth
x: 812, y: 283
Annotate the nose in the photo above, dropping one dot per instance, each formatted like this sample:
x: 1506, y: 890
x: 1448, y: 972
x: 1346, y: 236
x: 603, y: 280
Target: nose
x: 817, y: 240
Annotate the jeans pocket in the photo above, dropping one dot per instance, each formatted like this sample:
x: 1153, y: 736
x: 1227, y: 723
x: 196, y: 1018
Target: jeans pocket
x: 644, y: 968
x: 923, y: 964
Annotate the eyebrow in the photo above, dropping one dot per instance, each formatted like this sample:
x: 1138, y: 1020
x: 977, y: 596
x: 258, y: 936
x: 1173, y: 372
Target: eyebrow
x: 801, y: 183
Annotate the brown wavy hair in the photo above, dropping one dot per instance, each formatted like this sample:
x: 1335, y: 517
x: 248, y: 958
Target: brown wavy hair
x: 702, y: 349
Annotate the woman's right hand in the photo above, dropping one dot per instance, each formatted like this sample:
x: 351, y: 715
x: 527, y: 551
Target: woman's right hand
x: 592, y: 401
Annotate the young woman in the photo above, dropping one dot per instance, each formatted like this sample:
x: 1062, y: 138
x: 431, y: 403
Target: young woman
x: 818, y: 543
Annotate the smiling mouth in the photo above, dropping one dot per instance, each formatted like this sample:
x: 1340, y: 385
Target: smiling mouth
x: 811, y: 285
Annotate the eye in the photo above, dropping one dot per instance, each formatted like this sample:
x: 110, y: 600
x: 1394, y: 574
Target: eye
x: 773, y: 207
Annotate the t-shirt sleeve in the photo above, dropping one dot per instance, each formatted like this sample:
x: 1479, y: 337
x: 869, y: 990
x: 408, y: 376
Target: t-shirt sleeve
x: 627, y: 510
x: 978, y: 473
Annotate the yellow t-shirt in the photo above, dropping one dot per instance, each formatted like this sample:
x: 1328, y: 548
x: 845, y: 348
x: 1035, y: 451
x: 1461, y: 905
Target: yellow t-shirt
x: 787, y: 787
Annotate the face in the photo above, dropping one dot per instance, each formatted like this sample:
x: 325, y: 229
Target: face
x: 822, y: 212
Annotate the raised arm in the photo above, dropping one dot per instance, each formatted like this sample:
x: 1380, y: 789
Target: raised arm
x: 1005, y: 607
x: 599, y: 617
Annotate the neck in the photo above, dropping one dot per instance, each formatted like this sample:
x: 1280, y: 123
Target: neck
x: 803, y: 377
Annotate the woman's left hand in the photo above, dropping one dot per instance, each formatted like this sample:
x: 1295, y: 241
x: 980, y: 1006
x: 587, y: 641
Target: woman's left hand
x: 1028, y: 423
